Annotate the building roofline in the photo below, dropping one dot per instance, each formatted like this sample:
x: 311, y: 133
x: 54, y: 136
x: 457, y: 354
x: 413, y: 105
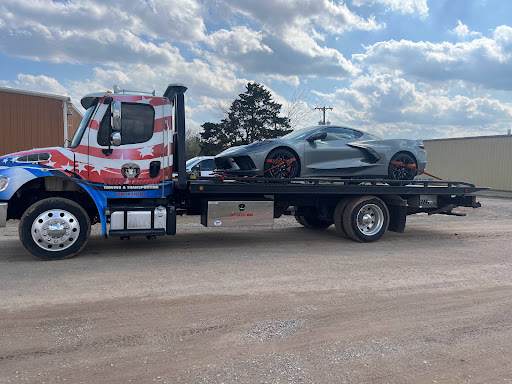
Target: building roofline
x: 76, y: 109
x: 32, y: 93
x: 468, y: 138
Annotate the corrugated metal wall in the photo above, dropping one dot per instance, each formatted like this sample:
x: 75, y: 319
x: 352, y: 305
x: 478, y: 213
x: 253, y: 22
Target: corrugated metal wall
x: 484, y: 161
x: 28, y: 122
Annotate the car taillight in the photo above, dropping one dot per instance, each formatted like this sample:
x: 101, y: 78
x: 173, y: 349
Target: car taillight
x: 422, y: 146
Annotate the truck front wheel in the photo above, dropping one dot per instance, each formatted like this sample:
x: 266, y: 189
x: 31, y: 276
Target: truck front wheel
x: 54, y: 228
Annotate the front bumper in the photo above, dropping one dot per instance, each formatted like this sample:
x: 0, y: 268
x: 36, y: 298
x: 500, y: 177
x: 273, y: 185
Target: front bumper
x: 3, y: 214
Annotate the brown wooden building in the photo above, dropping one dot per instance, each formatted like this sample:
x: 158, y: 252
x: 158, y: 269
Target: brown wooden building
x: 34, y: 120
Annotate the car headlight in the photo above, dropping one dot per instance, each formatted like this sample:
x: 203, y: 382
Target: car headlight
x: 4, y: 182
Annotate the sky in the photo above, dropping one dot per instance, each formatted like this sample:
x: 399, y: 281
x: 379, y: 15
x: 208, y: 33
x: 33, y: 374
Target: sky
x: 396, y: 68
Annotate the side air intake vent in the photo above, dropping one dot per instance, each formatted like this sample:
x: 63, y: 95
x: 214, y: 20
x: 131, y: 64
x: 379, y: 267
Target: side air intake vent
x: 34, y: 158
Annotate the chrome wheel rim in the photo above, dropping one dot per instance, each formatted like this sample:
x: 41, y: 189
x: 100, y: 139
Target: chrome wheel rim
x: 55, y: 230
x: 370, y: 219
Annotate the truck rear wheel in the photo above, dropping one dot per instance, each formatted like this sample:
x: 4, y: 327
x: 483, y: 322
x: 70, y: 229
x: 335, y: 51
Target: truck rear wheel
x: 338, y: 217
x: 312, y: 221
x: 54, y: 229
x: 365, y: 219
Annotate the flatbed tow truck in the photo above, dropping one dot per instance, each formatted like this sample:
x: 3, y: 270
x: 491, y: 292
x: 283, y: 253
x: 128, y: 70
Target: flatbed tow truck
x: 118, y: 171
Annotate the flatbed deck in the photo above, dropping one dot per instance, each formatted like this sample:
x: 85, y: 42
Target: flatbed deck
x: 306, y: 186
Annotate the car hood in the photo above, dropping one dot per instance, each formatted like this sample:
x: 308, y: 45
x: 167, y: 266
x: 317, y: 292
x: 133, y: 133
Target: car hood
x: 249, y: 147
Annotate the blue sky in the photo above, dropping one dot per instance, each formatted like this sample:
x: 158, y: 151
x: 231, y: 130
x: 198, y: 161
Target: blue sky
x: 398, y: 68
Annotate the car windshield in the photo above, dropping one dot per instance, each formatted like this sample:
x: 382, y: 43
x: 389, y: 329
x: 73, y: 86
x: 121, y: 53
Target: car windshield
x: 191, y: 162
x: 81, y: 128
x: 299, y: 134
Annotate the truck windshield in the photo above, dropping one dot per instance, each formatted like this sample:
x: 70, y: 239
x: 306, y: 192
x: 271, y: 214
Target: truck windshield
x: 81, y: 128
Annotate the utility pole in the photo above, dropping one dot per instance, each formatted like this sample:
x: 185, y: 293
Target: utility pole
x: 323, y: 109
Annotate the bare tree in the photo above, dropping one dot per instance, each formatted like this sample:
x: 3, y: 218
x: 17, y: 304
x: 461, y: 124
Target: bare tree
x: 192, y: 139
x: 298, y: 110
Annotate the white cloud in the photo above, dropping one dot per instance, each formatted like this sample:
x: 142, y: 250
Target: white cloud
x: 418, y: 7
x: 462, y: 31
x: 39, y: 83
x: 486, y: 61
x: 240, y: 40
x: 389, y: 104
x: 290, y: 30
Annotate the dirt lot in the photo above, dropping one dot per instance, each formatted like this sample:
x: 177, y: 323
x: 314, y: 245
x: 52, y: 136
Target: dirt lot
x: 281, y: 305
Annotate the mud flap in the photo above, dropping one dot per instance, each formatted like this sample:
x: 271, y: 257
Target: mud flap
x: 397, y: 218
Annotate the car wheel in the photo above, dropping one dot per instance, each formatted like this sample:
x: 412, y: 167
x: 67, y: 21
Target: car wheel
x: 281, y: 163
x: 54, y: 229
x: 397, y: 172
x: 365, y: 219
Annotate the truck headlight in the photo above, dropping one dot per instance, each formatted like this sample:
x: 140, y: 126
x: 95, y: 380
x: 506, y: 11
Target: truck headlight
x: 4, y: 182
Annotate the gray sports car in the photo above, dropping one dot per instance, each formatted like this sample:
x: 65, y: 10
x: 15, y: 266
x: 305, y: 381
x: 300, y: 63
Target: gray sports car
x: 325, y: 151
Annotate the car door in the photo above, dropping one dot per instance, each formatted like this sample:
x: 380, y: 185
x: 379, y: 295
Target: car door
x: 331, y: 156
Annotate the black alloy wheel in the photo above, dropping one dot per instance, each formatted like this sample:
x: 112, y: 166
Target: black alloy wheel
x: 281, y: 163
x: 397, y: 172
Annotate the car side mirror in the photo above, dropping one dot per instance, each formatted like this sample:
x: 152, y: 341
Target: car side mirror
x: 317, y: 136
x: 115, y: 109
x: 196, y: 170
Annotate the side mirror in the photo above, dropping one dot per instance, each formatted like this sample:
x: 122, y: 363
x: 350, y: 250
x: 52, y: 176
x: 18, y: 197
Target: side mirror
x: 115, y: 139
x: 115, y: 109
x: 317, y: 136
x: 196, y: 170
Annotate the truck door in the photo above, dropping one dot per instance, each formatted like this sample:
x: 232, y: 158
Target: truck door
x: 135, y: 166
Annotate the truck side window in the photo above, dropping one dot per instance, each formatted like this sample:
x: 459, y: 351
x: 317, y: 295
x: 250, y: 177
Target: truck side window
x: 104, y: 130
x: 136, y: 127
x: 137, y: 123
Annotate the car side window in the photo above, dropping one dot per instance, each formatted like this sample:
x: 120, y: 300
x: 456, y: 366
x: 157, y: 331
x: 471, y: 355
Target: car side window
x: 207, y: 165
x: 337, y: 133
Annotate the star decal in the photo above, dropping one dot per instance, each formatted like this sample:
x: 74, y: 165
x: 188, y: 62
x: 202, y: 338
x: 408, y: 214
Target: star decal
x: 146, y: 151
x: 6, y: 160
x: 81, y: 167
x: 67, y: 167
x: 144, y: 100
x: 98, y: 169
x: 50, y: 164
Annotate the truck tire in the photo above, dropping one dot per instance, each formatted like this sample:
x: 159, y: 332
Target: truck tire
x: 54, y: 229
x: 338, y: 217
x: 365, y: 219
x: 313, y: 222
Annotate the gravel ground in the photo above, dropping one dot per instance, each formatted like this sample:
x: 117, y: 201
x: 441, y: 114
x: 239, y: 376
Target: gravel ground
x: 281, y: 305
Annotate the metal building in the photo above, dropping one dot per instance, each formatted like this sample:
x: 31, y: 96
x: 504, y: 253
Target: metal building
x: 485, y: 161
x: 33, y: 120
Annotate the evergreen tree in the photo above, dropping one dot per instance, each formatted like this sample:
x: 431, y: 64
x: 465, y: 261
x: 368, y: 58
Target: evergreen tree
x: 253, y: 116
